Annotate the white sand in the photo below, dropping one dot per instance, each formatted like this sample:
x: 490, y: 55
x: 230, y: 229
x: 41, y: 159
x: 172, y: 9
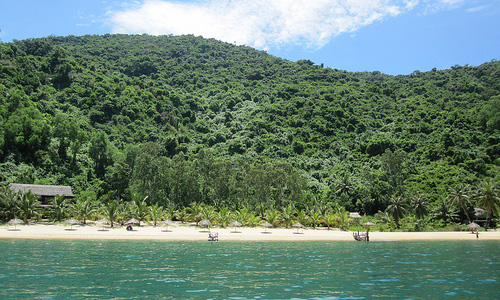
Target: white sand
x: 186, y: 232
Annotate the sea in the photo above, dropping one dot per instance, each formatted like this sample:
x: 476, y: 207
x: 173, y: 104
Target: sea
x: 87, y: 269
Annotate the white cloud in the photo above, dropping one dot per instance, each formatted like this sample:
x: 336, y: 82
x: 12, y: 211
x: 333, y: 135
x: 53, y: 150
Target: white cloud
x: 263, y: 23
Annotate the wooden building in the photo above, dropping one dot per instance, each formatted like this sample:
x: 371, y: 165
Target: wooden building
x: 45, y: 192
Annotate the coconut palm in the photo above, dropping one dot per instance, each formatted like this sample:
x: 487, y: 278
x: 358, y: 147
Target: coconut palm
x: 288, y: 215
x: 208, y: 213
x: 9, y: 203
x: 342, y: 218
x: 59, y: 208
x: 28, y: 204
x: 111, y: 211
x: 155, y: 213
x: 84, y: 209
x: 397, y: 208
x: 301, y: 217
x: 273, y: 217
x: 224, y: 216
x: 419, y: 205
x: 444, y: 211
x: 330, y: 220
x: 316, y: 219
x: 459, y: 197
x: 196, y: 210
x: 488, y: 198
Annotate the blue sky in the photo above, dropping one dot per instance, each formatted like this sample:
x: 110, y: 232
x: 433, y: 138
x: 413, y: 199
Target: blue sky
x: 390, y: 36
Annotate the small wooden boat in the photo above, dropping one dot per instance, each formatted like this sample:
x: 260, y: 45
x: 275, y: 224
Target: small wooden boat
x: 361, y: 237
x: 213, y: 237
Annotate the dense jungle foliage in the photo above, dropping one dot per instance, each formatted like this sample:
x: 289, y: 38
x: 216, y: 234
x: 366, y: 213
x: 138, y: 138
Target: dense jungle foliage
x: 183, y: 120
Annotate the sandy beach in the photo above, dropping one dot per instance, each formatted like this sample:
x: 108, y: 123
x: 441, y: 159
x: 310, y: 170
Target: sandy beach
x: 189, y: 232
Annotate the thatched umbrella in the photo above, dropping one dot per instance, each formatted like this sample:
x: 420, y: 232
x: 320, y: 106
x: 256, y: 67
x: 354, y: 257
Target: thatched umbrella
x: 15, y: 222
x: 72, y: 222
x: 103, y: 221
x: 205, y: 223
x: 134, y: 222
x: 266, y: 225
x: 473, y: 226
x: 167, y: 222
x: 235, y: 224
x: 298, y: 226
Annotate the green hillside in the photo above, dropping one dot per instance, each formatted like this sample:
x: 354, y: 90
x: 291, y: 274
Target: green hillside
x: 182, y: 120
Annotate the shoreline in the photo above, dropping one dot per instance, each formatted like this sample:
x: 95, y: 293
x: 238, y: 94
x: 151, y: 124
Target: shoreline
x: 186, y: 232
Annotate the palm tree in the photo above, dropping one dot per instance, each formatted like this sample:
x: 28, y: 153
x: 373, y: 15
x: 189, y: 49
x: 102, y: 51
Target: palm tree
x: 315, y: 219
x: 28, y: 205
x: 419, y: 205
x: 156, y: 212
x: 208, y: 212
x: 224, y: 216
x: 342, y: 218
x: 59, y: 207
x: 273, y: 217
x: 9, y: 203
x: 288, y: 215
x: 330, y: 220
x: 459, y: 196
x: 397, y: 209
x: 444, y: 211
x: 302, y: 217
x: 196, y: 211
x: 111, y: 211
x: 140, y: 209
x: 488, y: 198
x: 83, y: 209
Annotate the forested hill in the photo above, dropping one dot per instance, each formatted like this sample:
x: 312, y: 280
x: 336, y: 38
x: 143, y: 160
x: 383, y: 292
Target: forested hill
x: 184, y: 119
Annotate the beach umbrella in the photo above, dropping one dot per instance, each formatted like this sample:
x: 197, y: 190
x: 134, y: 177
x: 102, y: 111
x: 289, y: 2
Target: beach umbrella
x: 133, y: 222
x: 167, y: 222
x: 298, y: 226
x: 72, y: 222
x: 204, y: 223
x: 103, y: 221
x: 368, y: 224
x: 15, y: 222
x: 235, y: 224
x: 473, y: 225
x: 266, y: 225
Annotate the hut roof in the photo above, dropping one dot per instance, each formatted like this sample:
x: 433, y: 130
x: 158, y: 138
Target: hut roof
x: 43, y: 190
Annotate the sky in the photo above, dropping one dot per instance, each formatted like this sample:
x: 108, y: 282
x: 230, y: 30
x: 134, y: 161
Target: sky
x: 389, y: 36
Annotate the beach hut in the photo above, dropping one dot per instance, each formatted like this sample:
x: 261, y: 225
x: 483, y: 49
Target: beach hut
x: 45, y: 192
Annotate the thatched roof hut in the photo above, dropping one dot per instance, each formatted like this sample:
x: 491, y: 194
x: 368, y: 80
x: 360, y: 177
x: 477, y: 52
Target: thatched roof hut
x: 43, y: 191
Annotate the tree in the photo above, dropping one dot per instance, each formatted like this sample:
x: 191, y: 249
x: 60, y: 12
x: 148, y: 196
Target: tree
x: 59, y: 207
x: 28, y: 204
x: 111, y: 211
x: 459, y: 197
x: 397, y: 209
x: 84, y: 208
x: 488, y: 197
x: 100, y: 153
x: 419, y: 205
x: 156, y: 212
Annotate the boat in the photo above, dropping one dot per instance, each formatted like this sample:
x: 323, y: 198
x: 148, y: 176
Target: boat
x: 213, y: 237
x: 361, y: 237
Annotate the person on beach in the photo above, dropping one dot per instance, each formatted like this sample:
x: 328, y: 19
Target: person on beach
x: 477, y: 234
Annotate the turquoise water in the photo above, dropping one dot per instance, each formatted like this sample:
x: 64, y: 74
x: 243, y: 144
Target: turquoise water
x: 41, y: 269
